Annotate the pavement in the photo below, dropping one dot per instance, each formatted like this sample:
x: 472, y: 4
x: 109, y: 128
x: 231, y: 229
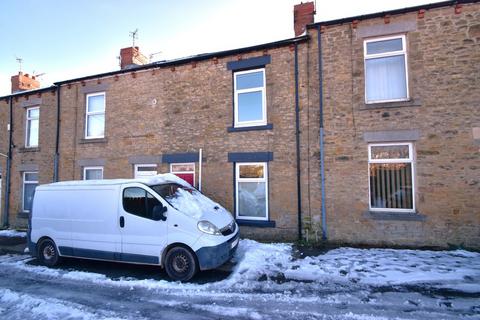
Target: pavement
x: 13, y: 244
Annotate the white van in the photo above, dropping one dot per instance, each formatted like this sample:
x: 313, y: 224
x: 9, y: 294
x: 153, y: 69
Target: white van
x: 159, y: 221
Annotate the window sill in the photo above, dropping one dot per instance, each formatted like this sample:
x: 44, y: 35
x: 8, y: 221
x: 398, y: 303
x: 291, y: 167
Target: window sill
x: 393, y: 104
x: 28, y: 149
x: 93, y: 140
x: 394, y: 216
x: 256, y: 223
x: 23, y: 214
x: 268, y: 126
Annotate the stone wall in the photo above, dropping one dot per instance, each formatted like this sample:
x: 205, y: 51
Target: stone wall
x: 184, y: 108
x: 28, y: 159
x: 181, y: 108
x: 443, y: 76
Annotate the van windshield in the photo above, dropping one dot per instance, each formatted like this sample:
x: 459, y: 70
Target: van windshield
x: 169, y: 191
x: 187, y: 200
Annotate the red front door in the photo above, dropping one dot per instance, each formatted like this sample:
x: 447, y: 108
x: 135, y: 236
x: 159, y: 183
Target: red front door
x: 186, y: 171
x: 189, y: 177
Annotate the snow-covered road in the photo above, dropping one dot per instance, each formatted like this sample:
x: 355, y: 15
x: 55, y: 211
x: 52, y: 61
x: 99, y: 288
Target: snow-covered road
x: 268, y: 281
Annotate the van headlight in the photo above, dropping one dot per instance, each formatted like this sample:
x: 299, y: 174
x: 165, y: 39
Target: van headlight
x: 208, y: 227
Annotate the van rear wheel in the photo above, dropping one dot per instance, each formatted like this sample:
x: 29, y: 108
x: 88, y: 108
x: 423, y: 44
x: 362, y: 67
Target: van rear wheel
x: 48, y: 253
x: 180, y: 264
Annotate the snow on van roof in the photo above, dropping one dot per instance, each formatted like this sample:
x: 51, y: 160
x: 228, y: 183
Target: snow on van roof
x: 165, y: 178
x: 154, y: 180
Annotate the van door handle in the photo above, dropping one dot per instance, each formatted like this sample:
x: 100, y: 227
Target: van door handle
x: 122, y: 222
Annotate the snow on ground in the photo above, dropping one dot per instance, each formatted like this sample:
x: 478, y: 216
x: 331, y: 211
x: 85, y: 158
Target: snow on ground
x: 270, y: 281
x: 272, y: 267
x: 16, y: 305
x: 389, y: 266
x: 215, y: 309
x: 12, y: 233
x: 448, y: 269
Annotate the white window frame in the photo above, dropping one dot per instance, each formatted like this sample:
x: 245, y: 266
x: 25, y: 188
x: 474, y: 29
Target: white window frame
x: 410, y: 160
x: 93, y: 113
x: 136, y: 166
x: 27, y: 132
x: 261, y: 122
x: 23, y: 187
x: 264, y: 179
x: 91, y: 168
x: 384, y: 55
x: 184, y: 172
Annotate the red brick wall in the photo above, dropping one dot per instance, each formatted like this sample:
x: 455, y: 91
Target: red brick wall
x: 21, y: 82
x: 303, y: 14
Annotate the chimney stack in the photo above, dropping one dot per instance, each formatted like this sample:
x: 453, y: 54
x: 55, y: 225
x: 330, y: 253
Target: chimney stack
x: 131, y: 57
x: 22, y: 82
x: 302, y: 15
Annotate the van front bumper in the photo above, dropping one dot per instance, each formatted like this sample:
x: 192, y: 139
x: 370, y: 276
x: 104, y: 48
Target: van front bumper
x: 213, y: 257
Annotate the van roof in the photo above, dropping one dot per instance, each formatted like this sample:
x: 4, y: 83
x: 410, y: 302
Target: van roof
x: 154, y: 180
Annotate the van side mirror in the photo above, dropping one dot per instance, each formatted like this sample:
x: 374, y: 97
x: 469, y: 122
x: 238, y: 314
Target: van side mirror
x: 158, y: 212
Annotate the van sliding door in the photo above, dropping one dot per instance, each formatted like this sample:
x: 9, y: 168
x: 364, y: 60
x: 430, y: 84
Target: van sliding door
x: 94, y: 223
x: 143, y: 238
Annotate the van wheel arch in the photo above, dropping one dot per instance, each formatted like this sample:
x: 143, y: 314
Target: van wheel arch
x: 177, y: 244
x: 44, y: 238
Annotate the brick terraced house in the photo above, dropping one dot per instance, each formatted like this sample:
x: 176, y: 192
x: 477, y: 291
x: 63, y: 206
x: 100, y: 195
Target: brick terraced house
x: 363, y: 130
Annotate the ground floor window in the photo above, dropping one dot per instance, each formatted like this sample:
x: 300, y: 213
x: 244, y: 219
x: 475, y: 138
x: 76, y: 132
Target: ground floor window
x: 145, y: 170
x: 251, y: 191
x: 92, y: 173
x: 391, y: 173
x: 30, y: 182
x: 186, y: 171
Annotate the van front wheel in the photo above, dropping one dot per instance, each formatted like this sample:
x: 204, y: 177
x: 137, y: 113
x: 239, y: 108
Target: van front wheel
x: 47, y: 253
x: 180, y: 264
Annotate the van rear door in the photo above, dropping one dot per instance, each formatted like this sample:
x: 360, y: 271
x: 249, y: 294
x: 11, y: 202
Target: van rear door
x: 143, y: 238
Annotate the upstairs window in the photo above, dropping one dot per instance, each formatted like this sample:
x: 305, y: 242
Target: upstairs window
x: 385, y: 69
x: 95, y: 116
x: 31, y: 127
x: 250, y: 101
x: 391, y: 177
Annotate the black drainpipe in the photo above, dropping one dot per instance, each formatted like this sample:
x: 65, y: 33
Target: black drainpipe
x: 297, y: 136
x: 322, y: 158
x: 57, y: 141
x: 6, y: 208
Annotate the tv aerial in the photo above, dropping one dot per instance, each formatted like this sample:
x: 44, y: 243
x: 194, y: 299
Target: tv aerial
x: 19, y: 61
x: 134, y: 36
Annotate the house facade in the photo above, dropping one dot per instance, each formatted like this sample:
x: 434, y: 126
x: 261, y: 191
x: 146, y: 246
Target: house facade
x: 362, y: 130
x: 401, y: 117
